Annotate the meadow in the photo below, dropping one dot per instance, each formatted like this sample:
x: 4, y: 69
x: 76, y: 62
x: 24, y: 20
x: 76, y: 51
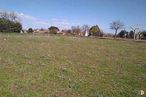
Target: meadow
x: 66, y: 66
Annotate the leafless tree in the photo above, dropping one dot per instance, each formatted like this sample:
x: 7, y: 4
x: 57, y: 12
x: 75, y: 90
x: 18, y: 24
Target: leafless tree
x: 116, y: 25
x: 85, y: 28
x: 76, y: 30
x: 4, y: 14
x: 12, y: 16
x: 134, y: 29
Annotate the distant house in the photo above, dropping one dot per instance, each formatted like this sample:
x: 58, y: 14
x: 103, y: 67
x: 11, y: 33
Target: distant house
x: 23, y: 31
x: 87, y: 33
x: 41, y: 31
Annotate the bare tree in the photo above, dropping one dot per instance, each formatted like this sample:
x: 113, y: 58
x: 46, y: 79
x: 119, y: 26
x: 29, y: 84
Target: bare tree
x: 12, y: 16
x: 85, y: 28
x: 116, y: 25
x: 4, y: 14
x: 134, y: 29
x: 76, y: 30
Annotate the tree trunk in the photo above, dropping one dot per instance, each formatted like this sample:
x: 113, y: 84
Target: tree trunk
x: 134, y: 35
x: 115, y: 34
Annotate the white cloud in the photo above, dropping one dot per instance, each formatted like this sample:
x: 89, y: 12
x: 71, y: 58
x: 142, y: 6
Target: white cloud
x: 31, y: 21
x: 24, y: 16
x: 34, y: 22
x: 62, y: 23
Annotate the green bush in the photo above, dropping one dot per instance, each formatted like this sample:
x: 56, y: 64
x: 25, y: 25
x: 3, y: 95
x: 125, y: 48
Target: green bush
x: 123, y: 34
x: 95, y: 31
x: 7, y: 26
x: 131, y: 34
x: 30, y: 30
x: 143, y: 35
x: 53, y: 32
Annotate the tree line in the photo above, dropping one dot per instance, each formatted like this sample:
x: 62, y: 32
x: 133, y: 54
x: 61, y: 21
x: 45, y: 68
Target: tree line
x: 84, y: 30
x: 118, y: 25
x: 10, y: 23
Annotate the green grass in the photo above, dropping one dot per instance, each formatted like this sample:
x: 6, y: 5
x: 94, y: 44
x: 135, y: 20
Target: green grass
x: 61, y: 66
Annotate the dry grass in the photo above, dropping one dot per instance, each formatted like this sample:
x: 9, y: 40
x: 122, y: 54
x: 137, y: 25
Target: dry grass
x: 60, y: 66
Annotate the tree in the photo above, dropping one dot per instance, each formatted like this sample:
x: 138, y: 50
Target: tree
x: 134, y: 29
x: 85, y: 29
x: 12, y: 16
x: 123, y: 33
x: 30, y: 30
x: 76, y: 30
x: 7, y: 26
x: 143, y: 35
x: 53, y: 30
x: 9, y: 22
x: 16, y: 27
x: 41, y: 29
x: 4, y: 15
x: 116, y: 25
x: 131, y: 34
x: 95, y: 31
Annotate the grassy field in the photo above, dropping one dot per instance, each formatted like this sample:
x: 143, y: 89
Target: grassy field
x: 61, y: 66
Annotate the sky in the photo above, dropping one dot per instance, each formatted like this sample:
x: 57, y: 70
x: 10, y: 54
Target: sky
x: 67, y: 13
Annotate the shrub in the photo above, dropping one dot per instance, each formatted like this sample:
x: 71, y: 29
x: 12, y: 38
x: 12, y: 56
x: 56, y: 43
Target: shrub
x: 123, y: 33
x: 131, y: 34
x: 9, y: 22
x: 53, y: 32
x: 7, y: 26
x: 30, y: 30
x: 143, y: 35
x: 53, y: 28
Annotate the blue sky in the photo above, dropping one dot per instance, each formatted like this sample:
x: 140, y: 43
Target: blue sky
x: 66, y: 13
